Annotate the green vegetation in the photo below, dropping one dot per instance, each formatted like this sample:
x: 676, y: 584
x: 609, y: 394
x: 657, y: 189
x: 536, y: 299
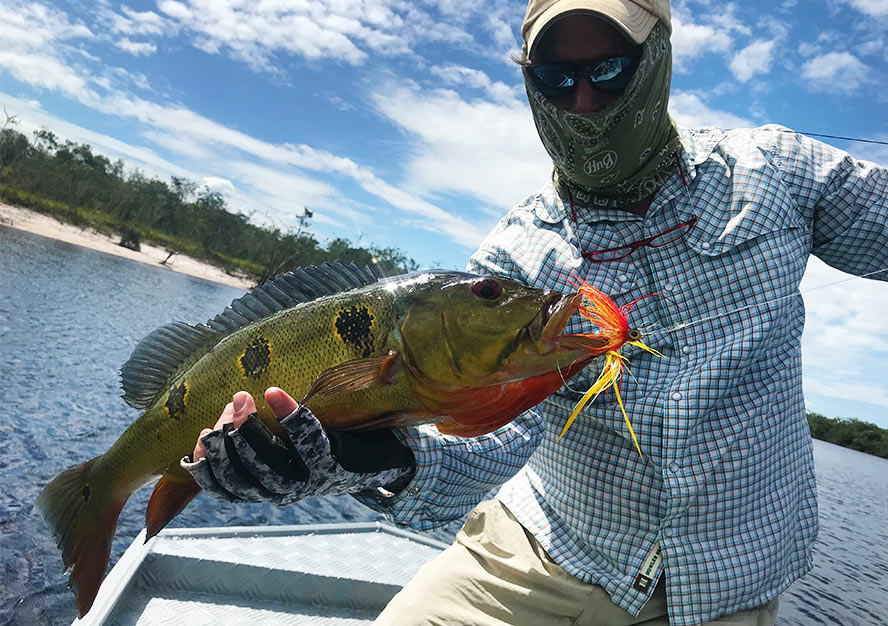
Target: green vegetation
x: 70, y: 183
x: 850, y: 433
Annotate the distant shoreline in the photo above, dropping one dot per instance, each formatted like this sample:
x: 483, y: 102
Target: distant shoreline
x: 40, y: 224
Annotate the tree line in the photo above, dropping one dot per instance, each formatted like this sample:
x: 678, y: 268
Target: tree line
x: 73, y: 184
x: 850, y: 433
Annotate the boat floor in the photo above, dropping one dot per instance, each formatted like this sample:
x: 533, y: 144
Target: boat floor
x: 332, y: 574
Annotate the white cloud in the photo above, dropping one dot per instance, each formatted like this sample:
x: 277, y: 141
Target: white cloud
x: 457, y: 75
x: 691, y: 41
x: 808, y: 49
x: 874, y: 46
x: 33, y: 38
x: 689, y: 110
x: 143, y: 23
x: 256, y: 32
x: 756, y: 58
x: 835, y: 72
x: 42, y: 71
x: 873, y: 8
x: 486, y: 149
x: 219, y: 185
x: 845, y: 343
x: 136, y: 48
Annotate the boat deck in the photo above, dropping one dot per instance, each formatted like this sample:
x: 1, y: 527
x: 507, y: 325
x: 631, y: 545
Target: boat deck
x: 330, y: 575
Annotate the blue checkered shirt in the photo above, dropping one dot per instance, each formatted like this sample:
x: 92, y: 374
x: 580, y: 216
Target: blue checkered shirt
x: 726, y: 486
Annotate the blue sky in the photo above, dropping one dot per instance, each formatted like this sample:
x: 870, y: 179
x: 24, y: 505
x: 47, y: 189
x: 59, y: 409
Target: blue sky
x: 405, y: 124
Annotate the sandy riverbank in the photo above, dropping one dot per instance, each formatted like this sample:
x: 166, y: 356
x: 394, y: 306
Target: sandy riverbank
x: 37, y: 223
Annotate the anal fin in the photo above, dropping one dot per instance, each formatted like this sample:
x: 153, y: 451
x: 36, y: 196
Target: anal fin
x: 171, y: 494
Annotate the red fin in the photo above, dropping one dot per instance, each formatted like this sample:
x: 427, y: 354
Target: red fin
x: 171, y: 494
x: 83, y: 517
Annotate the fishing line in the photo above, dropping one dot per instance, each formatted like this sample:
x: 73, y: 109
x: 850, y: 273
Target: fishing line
x: 761, y: 304
x: 801, y: 132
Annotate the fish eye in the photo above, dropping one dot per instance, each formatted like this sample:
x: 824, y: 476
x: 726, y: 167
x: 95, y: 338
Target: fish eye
x: 488, y: 289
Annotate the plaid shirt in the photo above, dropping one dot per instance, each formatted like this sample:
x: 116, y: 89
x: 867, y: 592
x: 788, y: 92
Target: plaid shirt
x: 726, y: 486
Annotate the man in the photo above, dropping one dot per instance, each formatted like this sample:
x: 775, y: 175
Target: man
x: 719, y: 516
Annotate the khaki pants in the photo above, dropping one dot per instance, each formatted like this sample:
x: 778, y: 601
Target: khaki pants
x: 496, y: 574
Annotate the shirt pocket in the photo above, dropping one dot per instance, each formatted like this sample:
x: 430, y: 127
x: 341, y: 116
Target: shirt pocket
x: 751, y: 253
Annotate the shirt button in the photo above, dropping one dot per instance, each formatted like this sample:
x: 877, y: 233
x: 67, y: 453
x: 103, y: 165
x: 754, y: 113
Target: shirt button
x: 705, y: 245
x: 676, y: 395
x: 668, y: 287
x: 686, y: 349
x: 624, y: 277
x: 666, y: 532
x: 673, y: 467
x: 414, y: 491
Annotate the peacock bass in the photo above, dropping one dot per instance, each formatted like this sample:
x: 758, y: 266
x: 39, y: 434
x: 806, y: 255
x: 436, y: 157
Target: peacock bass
x: 465, y: 352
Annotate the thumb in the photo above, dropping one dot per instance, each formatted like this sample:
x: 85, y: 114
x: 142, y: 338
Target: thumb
x: 281, y: 403
x: 244, y: 406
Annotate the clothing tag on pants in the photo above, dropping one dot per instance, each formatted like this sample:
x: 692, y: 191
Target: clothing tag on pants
x: 649, y: 568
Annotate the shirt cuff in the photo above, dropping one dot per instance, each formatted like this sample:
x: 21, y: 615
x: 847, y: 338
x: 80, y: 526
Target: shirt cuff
x: 408, y: 507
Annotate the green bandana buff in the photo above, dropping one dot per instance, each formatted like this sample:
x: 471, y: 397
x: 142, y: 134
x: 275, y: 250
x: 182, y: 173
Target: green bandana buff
x: 623, y: 153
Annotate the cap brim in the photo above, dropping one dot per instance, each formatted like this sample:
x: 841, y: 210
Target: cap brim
x: 632, y: 20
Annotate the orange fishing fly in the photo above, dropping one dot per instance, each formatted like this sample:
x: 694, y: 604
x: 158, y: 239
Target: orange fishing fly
x: 613, y: 324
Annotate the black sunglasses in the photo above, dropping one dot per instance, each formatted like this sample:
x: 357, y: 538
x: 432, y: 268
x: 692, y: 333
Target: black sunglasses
x: 558, y: 79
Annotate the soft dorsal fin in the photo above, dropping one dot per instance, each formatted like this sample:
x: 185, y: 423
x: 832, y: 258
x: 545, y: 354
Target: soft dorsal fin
x: 163, y: 353
x: 158, y: 356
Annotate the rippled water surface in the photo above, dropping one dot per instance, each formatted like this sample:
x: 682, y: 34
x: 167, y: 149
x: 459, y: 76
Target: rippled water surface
x: 69, y: 317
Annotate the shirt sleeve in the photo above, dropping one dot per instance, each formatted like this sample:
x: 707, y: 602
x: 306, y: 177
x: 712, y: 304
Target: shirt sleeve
x: 845, y: 200
x: 453, y: 474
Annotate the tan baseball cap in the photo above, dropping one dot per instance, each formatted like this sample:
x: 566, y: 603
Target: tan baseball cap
x: 636, y: 18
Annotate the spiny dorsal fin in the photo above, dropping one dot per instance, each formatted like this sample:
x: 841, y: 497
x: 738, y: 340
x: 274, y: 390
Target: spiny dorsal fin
x: 163, y: 353
x: 287, y: 290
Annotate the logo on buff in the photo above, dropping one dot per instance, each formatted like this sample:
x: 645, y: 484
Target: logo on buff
x: 601, y: 162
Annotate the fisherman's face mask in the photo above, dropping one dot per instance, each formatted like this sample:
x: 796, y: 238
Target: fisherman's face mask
x: 623, y: 153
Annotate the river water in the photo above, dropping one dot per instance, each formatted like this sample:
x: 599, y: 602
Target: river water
x: 69, y: 317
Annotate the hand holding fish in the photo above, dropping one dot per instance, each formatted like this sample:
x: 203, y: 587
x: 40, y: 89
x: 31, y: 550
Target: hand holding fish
x: 242, y: 460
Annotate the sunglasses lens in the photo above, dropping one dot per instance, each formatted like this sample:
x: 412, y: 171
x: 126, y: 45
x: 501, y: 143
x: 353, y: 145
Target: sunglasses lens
x: 613, y: 74
x: 553, y: 80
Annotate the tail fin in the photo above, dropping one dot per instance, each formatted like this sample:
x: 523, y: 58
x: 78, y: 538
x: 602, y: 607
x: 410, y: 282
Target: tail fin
x: 82, y: 520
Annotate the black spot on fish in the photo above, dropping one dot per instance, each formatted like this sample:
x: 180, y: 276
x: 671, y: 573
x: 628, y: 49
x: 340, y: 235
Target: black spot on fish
x: 255, y: 359
x: 175, y: 403
x: 85, y: 493
x: 355, y: 327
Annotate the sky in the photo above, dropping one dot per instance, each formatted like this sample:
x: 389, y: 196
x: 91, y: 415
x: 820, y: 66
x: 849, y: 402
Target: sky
x: 405, y: 124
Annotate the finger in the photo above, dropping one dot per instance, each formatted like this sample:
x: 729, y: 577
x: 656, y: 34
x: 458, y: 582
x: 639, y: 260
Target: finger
x: 244, y: 405
x: 227, y: 416
x: 280, y: 402
x: 200, y: 451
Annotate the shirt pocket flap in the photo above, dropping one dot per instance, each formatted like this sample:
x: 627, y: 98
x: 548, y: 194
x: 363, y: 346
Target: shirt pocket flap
x: 739, y: 222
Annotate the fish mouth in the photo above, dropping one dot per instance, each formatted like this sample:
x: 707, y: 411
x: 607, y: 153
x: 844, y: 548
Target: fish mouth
x: 552, y: 318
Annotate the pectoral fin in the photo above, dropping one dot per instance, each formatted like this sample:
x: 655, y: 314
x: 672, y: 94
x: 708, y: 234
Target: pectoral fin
x: 356, y: 375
